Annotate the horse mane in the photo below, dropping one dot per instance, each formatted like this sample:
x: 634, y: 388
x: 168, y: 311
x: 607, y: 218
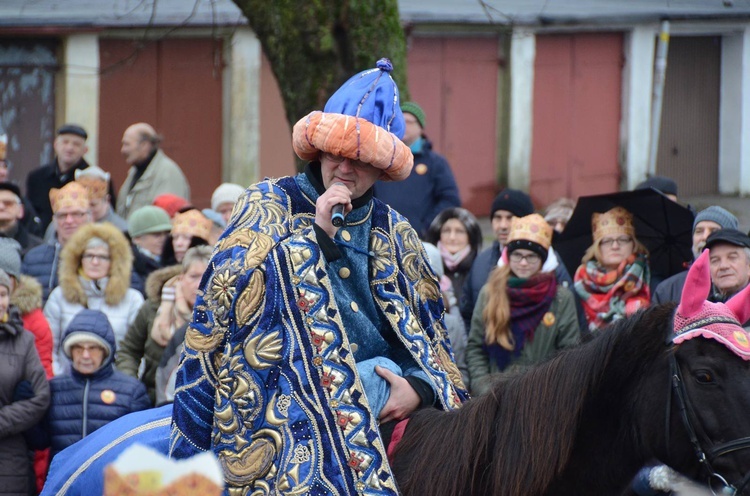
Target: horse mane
x: 518, y: 438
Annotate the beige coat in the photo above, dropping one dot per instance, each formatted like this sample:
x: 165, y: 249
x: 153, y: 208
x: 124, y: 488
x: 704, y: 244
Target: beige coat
x: 162, y: 175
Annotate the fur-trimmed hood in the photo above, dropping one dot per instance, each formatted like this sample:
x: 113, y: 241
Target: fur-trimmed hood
x: 27, y: 295
x: 157, y: 279
x: 119, y: 272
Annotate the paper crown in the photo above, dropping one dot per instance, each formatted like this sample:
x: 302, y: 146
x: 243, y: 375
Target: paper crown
x: 361, y: 121
x: 612, y: 223
x: 696, y: 317
x: 531, y: 228
x: 3, y: 146
x: 72, y: 195
x: 193, y: 223
x: 95, y: 180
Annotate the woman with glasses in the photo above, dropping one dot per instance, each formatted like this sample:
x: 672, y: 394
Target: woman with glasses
x: 613, y: 278
x: 95, y: 270
x: 522, y: 315
x: 456, y: 233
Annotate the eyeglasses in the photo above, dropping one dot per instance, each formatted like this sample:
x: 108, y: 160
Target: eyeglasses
x: 74, y: 215
x: 92, y: 257
x: 338, y: 159
x: 531, y: 258
x: 622, y: 240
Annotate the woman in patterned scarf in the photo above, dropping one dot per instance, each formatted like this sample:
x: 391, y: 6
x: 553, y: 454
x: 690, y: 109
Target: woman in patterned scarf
x: 522, y: 315
x: 613, y: 279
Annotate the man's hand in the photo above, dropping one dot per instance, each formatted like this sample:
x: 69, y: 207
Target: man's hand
x: 335, y: 194
x: 403, y: 399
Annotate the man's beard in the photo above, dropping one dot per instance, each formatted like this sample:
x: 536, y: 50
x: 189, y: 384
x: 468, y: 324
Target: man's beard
x: 697, y: 250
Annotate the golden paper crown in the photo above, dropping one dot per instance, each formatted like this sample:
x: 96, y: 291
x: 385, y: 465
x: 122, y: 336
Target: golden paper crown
x: 97, y: 188
x: 3, y: 146
x: 531, y: 228
x: 72, y: 195
x: 612, y: 223
x: 192, y: 222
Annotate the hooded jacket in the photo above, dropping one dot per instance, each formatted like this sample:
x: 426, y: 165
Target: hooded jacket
x: 138, y: 343
x: 81, y: 404
x: 19, y: 361
x: 112, y: 295
x: 28, y: 298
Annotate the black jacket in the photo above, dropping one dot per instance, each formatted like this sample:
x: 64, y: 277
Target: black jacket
x: 46, y: 177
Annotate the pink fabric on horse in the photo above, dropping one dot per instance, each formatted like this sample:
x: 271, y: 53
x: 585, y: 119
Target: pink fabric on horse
x: 696, y: 317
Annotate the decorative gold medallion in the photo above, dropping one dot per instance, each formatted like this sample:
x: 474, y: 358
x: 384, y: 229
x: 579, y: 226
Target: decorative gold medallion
x: 421, y: 169
x: 548, y: 319
x: 108, y: 396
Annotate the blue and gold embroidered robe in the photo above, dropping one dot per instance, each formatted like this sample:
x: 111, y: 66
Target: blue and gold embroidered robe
x: 268, y: 379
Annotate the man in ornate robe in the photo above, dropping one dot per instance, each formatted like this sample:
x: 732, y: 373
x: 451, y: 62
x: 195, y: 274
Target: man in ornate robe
x: 309, y: 340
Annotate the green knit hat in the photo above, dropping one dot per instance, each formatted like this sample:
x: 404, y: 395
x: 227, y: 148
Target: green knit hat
x: 415, y: 110
x: 148, y: 219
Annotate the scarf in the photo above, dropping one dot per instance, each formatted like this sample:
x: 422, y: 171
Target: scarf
x: 529, y: 300
x: 608, y: 295
x: 452, y: 260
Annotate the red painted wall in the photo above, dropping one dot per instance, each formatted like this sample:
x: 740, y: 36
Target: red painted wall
x: 455, y: 81
x: 174, y: 85
x: 577, y: 101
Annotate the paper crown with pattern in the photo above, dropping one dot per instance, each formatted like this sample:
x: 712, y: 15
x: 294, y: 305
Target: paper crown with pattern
x: 3, y: 146
x: 95, y: 180
x: 696, y: 317
x: 613, y: 222
x: 193, y: 223
x: 361, y: 121
x: 72, y: 195
x: 531, y: 228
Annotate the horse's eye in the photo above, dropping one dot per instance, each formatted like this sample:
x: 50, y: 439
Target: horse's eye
x: 704, y: 376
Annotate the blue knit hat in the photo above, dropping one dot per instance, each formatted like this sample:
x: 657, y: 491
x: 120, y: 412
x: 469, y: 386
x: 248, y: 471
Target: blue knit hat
x: 717, y: 214
x: 361, y: 121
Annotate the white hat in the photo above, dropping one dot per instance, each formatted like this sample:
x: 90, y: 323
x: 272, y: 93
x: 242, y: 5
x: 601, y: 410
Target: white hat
x: 226, y: 193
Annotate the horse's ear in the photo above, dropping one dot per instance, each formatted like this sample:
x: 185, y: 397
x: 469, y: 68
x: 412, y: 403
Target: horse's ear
x: 696, y: 288
x: 739, y: 304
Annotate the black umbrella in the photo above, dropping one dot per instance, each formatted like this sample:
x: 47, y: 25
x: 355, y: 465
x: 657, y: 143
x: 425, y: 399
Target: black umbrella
x: 663, y: 226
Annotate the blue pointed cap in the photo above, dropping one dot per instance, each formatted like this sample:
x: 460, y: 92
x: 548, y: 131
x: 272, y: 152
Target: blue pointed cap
x: 371, y: 95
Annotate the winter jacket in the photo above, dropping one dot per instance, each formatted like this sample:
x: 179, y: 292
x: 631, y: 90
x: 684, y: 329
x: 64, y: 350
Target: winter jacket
x: 41, y: 263
x: 670, y: 289
x: 46, y: 177
x: 28, y: 298
x: 429, y: 189
x: 19, y: 361
x: 166, y: 372
x: 25, y: 238
x: 552, y: 334
x: 112, y: 295
x: 143, y: 266
x: 138, y: 343
x: 81, y: 404
x: 162, y: 175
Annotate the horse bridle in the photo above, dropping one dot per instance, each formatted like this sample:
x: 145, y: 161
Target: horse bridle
x: 704, y: 457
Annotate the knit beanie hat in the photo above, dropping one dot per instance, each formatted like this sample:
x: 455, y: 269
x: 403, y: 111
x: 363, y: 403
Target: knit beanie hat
x: 660, y: 183
x: 514, y: 201
x: 226, y: 193
x: 531, y: 232
x: 170, y: 203
x: 10, y: 257
x: 361, y: 121
x: 719, y: 215
x: 415, y: 110
x: 4, y: 279
x: 148, y: 219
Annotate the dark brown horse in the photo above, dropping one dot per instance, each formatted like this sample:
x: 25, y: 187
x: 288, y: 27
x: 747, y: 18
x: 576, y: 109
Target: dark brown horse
x: 584, y: 422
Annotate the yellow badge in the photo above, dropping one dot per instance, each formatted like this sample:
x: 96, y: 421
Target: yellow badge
x: 548, y: 319
x: 421, y: 169
x: 108, y: 396
x: 741, y: 338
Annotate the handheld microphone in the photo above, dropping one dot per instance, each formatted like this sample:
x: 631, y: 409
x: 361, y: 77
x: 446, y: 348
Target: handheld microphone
x: 337, y: 215
x: 337, y: 211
